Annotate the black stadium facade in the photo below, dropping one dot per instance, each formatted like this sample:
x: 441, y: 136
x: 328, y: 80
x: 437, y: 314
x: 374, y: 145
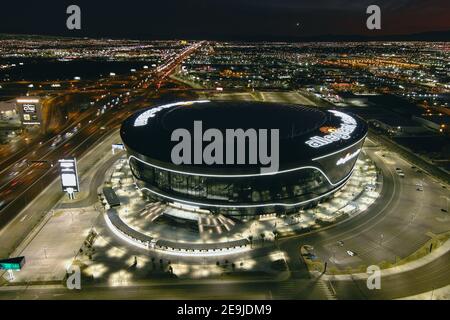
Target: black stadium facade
x: 318, y: 149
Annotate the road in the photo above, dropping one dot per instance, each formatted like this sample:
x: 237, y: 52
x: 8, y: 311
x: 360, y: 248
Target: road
x: 19, y: 187
x: 423, y: 279
x: 190, y: 290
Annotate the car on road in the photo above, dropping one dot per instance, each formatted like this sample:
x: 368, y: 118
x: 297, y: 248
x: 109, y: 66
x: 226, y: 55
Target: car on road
x: 340, y: 243
x: 68, y: 135
x: 14, y: 173
x: 57, y: 140
x: 21, y: 163
x: 351, y: 253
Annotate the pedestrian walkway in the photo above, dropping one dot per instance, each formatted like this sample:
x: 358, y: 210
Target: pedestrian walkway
x: 437, y: 294
x: 51, y: 251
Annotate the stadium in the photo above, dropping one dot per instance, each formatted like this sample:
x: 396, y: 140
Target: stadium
x: 317, y: 151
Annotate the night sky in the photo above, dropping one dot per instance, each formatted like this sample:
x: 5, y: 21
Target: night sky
x: 224, y: 19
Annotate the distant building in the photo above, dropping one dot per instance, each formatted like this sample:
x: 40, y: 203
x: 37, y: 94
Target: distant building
x: 8, y: 109
x: 30, y: 110
x: 353, y: 99
x: 398, y: 126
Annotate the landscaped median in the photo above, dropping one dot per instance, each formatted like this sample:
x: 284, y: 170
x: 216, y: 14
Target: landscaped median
x: 313, y: 263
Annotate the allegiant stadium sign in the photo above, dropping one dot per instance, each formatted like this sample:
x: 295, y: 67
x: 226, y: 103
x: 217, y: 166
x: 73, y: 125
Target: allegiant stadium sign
x: 342, y: 133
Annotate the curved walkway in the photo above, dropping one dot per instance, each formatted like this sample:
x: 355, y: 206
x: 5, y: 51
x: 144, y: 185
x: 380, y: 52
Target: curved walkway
x: 122, y: 230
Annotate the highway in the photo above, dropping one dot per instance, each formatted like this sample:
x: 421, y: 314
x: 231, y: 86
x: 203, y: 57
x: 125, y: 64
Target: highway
x: 21, y: 181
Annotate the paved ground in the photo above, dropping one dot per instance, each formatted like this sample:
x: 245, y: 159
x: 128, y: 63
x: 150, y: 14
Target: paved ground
x: 51, y: 252
x: 293, y: 97
x: 437, y: 294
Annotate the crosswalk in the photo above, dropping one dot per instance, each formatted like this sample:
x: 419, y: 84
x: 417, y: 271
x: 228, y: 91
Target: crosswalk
x: 327, y: 288
x: 304, y: 289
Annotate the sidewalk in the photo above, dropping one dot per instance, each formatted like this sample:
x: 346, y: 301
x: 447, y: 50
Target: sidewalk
x: 438, y: 294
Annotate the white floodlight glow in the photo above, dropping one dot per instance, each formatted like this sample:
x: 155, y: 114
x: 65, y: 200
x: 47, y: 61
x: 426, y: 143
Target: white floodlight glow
x: 69, y: 180
x: 142, y: 119
x: 27, y: 100
x: 348, y: 157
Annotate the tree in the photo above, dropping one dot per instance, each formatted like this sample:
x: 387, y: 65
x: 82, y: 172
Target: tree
x: 275, y: 234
